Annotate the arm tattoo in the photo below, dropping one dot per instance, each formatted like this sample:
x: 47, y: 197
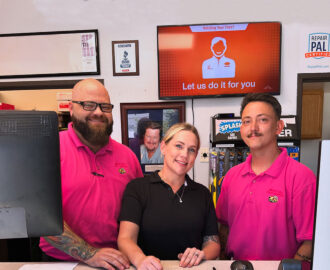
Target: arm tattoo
x: 72, y: 244
x: 208, y: 238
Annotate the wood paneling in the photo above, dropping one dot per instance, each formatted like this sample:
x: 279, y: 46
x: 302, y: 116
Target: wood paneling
x: 312, y: 114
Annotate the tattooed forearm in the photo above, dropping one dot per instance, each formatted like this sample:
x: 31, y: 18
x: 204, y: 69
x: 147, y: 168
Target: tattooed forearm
x: 208, y: 238
x: 72, y: 244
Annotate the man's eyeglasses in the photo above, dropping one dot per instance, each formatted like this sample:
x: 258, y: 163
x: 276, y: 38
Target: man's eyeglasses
x: 91, y: 106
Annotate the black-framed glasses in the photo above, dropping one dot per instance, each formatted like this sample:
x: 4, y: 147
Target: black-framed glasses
x: 91, y: 106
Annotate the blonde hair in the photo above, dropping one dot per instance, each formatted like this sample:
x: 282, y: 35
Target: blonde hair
x: 176, y: 128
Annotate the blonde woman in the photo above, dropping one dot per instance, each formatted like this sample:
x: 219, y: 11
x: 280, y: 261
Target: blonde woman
x: 166, y: 215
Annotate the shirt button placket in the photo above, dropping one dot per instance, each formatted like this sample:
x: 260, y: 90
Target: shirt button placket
x: 252, y: 188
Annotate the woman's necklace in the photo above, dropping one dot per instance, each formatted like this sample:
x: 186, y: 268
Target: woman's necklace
x: 184, y: 187
x: 180, y: 197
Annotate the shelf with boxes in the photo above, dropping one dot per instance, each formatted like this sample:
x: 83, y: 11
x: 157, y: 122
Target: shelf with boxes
x: 63, y: 101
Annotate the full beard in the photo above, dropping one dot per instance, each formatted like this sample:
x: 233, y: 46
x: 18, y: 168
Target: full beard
x: 94, y: 135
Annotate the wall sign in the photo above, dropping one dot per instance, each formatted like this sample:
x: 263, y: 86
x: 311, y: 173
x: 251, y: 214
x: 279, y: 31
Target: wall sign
x: 125, y: 58
x: 62, y: 53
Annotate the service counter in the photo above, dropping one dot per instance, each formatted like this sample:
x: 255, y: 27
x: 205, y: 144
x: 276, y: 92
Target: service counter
x: 170, y: 265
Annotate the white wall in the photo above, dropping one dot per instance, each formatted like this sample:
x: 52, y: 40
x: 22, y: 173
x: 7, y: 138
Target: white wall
x: 129, y: 20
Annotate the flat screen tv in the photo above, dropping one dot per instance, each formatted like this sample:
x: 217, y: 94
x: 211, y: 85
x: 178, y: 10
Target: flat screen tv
x: 218, y: 60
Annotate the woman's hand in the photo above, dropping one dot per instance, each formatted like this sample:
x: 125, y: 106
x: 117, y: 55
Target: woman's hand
x: 191, y: 257
x: 150, y: 263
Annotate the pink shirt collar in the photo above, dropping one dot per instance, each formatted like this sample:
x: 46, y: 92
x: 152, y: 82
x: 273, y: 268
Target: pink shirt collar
x: 274, y: 170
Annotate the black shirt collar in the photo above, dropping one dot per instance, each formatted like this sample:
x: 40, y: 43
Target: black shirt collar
x: 155, y: 178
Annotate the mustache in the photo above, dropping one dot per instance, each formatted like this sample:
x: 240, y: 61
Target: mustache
x: 101, y: 117
x: 256, y: 134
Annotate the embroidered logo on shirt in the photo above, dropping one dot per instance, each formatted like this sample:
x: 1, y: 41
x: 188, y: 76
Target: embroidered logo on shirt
x: 273, y: 199
x: 278, y: 193
x: 122, y: 171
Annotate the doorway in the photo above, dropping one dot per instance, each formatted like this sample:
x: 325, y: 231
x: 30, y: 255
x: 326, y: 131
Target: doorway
x: 319, y: 85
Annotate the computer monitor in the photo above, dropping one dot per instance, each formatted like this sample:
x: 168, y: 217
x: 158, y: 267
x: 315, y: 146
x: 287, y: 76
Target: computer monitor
x: 321, y: 240
x: 30, y: 179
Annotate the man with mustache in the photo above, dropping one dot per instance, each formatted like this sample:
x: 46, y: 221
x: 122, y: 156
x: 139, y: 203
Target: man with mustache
x: 266, y: 204
x: 94, y: 170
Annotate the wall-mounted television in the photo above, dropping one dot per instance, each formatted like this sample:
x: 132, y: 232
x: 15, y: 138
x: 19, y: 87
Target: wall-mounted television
x: 218, y: 60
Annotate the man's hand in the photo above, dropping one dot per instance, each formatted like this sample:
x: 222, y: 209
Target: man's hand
x: 108, y: 258
x: 78, y: 248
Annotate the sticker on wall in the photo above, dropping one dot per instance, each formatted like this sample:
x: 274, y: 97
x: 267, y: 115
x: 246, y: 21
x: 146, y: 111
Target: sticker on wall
x: 88, y: 52
x: 318, y: 45
x: 315, y: 54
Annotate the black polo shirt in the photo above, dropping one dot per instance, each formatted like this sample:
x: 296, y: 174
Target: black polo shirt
x: 166, y: 226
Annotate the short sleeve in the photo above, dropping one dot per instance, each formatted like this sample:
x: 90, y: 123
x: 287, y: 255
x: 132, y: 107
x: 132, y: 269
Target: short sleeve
x: 137, y: 166
x: 132, y: 205
x: 304, y: 206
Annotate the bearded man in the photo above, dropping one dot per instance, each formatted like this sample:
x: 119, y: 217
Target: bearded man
x: 94, y: 170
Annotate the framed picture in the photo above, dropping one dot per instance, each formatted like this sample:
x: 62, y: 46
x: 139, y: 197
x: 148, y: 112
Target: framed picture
x: 46, y: 54
x: 144, y: 124
x: 125, y: 58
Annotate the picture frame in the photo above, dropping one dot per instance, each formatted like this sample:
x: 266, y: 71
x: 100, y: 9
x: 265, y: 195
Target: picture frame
x: 137, y: 118
x: 125, y: 58
x: 57, y: 53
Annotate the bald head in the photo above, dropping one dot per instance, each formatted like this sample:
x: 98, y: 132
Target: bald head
x: 91, y: 90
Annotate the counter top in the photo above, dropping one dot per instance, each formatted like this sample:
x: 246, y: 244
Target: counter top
x: 167, y: 265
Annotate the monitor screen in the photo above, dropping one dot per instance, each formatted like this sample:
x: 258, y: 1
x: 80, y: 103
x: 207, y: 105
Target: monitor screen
x: 30, y: 180
x: 218, y: 60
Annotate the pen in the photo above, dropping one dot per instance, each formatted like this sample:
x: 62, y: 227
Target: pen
x: 97, y: 174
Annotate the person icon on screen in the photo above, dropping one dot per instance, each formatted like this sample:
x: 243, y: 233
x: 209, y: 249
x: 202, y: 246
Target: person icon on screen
x: 219, y: 66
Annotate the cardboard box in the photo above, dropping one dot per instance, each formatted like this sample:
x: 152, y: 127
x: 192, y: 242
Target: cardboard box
x: 63, y: 106
x: 5, y: 106
x: 63, y: 100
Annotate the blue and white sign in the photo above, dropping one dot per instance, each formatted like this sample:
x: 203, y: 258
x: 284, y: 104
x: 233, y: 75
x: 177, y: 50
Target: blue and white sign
x: 229, y: 126
x: 314, y: 44
x: 318, y: 45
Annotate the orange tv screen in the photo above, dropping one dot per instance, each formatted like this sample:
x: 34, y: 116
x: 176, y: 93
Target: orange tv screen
x: 219, y: 59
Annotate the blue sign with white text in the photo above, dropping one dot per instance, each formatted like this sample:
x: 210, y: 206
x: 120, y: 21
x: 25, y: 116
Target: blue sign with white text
x: 229, y: 126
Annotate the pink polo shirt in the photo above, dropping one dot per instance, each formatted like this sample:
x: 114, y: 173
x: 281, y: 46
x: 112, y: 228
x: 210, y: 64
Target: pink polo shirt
x: 91, y: 203
x: 268, y: 215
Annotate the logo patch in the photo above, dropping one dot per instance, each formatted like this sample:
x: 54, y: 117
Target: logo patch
x: 273, y: 199
x: 122, y: 171
x: 318, y: 45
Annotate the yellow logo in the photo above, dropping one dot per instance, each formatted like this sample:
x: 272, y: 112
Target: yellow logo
x: 122, y: 171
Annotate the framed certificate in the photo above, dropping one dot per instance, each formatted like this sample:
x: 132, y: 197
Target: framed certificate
x: 125, y: 56
x: 44, y: 54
